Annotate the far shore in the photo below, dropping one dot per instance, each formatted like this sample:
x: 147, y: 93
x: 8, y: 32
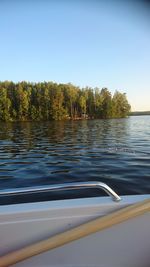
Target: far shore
x: 139, y: 113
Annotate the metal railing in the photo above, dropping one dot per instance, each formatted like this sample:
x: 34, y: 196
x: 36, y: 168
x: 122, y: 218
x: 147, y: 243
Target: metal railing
x: 60, y: 187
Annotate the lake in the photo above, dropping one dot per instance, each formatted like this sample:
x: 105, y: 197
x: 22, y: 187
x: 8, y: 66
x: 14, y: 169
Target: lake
x: 115, y: 151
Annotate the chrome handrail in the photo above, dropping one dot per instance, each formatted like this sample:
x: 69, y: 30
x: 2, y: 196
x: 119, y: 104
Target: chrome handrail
x: 60, y: 187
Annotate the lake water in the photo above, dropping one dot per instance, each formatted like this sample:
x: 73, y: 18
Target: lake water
x: 115, y: 151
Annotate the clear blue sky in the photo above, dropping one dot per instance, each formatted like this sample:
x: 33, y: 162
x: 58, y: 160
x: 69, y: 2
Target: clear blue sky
x: 94, y: 43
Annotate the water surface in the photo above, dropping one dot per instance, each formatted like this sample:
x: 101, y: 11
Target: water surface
x: 115, y: 151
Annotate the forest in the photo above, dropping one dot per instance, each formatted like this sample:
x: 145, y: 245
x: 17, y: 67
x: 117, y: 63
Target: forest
x: 44, y: 101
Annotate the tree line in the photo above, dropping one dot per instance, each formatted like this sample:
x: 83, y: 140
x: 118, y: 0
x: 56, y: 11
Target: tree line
x: 25, y: 101
x: 139, y: 113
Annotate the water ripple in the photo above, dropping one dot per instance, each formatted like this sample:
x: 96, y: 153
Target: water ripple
x: 113, y: 151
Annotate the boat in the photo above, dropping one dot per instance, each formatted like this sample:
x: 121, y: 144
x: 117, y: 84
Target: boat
x: 102, y: 231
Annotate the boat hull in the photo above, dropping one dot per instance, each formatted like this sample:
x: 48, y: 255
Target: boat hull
x: 126, y: 244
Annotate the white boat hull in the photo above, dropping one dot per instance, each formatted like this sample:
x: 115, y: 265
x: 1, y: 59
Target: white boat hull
x: 123, y: 245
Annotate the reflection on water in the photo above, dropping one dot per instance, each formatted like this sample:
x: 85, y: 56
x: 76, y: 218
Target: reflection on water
x: 115, y: 151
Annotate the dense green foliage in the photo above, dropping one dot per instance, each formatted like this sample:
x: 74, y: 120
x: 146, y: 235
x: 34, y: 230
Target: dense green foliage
x: 50, y: 101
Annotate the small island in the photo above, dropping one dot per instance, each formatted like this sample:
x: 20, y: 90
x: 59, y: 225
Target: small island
x: 45, y: 101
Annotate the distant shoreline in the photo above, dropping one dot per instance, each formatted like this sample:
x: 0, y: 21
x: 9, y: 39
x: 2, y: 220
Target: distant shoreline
x: 139, y: 113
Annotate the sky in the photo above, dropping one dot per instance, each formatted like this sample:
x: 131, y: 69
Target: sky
x: 87, y: 43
